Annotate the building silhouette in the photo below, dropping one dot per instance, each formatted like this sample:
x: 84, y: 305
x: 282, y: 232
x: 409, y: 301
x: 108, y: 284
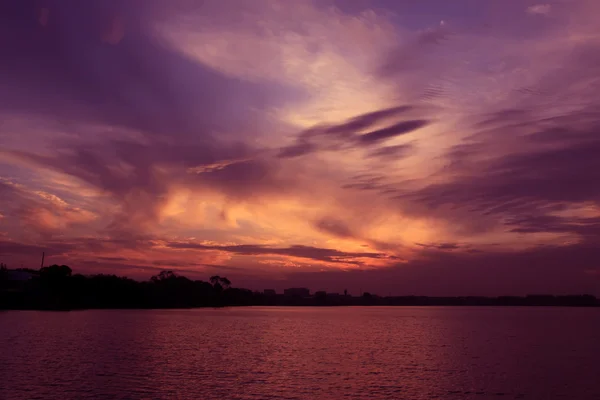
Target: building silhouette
x: 297, y: 292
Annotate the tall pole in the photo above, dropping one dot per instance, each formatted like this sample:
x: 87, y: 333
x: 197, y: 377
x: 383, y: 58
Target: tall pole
x: 43, y: 254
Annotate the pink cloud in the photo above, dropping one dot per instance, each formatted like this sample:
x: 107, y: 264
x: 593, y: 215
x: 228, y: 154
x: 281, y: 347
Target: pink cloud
x: 541, y: 9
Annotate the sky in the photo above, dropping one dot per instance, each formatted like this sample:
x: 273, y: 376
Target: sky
x: 426, y: 147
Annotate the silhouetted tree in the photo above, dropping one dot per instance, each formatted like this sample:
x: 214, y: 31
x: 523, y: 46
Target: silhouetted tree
x: 55, y: 272
x: 56, y: 288
x: 163, y: 276
x: 220, y: 283
x: 320, y: 298
x: 3, y: 275
x: 225, y: 282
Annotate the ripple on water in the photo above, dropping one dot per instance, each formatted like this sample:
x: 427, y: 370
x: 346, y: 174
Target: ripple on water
x: 308, y: 353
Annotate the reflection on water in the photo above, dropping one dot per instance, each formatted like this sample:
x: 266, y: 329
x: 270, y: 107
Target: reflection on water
x: 302, y: 353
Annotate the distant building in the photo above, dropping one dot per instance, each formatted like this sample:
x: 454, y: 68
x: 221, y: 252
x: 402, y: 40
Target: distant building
x: 19, y: 275
x: 301, y: 292
x: 270, y: 292
x: 334, y: 295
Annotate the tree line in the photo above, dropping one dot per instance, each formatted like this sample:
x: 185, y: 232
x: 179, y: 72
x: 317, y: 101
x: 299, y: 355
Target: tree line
x: 57, y: 288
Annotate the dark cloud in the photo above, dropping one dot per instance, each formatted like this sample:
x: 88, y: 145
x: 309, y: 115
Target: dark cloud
x: 542, y: 270
x: 564, y: 174
x: 141, y: 270
x: 112, y: 259
x: 139, y: 176
x: 521, y: 178
x: 372, y: 182
x: 247, y: 178
x: 357, y: 124
x: 585, y: 227
x: 129, y: 269
x: 139, y: 83
x: 439, y: 246
x: 315, y: 253
x: 505, y: 118
x: 8, y: 248
x: 334, y: 227
x: 97, y: 245
x: 165, y: 105
x: 524, y: 165
x: 350, y: 133
x: 76, y: 251
x: 297, y: 150
x: 393, y: 152
x: 401, y: 128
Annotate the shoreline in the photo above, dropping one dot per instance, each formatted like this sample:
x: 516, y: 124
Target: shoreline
x: 298, y: 306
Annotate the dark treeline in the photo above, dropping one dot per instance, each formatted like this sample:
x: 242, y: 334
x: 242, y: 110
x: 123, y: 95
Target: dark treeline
x: 57, y: 288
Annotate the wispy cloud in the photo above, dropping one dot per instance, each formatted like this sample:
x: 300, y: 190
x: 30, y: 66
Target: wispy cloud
x: 542, y: 9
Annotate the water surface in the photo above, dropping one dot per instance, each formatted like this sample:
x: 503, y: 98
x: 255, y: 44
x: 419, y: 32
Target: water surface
x: 302, y: 353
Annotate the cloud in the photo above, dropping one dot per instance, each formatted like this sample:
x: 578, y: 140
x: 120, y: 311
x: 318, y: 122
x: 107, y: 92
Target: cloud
x: 439, y: 246
x: 542, y: 9
x: 339, y: 229
x: 143, y: 84
x: 299, y: 251
x: 401, y: 128
x: 545, y: 174
x: 39, y: 211
x: 358, y: 123
x: 142, y: 119
x: 17, y: 248
x: 311, y: 46
x: 396, y: 152
x: 548, y: 269
x: 297, y: 150
x: 335, y: 227
x: 353, y: 133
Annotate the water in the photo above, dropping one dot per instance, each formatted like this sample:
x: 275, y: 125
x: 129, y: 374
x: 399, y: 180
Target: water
x: 302, y: 353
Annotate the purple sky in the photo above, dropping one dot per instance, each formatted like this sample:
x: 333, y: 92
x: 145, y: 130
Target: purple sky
x: 409, y: 147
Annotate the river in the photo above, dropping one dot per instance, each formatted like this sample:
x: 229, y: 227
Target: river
x: 302, y: 353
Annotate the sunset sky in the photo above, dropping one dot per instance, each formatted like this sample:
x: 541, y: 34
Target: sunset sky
x: 428, y: 147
